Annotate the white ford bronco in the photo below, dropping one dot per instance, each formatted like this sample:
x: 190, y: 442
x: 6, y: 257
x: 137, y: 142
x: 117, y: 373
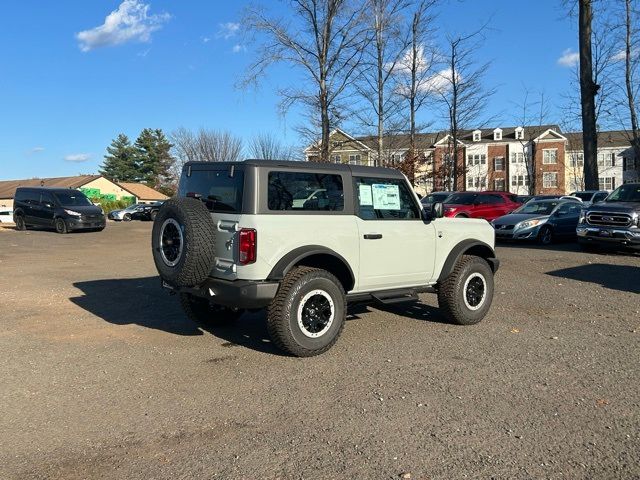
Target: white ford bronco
x: 305, y: 239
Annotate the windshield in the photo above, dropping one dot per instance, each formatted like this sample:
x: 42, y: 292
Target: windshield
x: 625, y: 193
x: 435, y: 197
x: 544, y: 207
x: 72, y: 199
x: 584, y: 196
x: 461, y: 199
x: 133, y: 207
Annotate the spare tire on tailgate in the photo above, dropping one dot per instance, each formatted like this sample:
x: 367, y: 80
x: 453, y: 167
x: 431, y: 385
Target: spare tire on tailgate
x: 183, y: 242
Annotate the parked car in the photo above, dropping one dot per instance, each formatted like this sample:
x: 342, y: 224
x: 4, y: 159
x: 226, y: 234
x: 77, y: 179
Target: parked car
x: 541, y: 220
x: 523, y: 198
x: 614, y: 222
x: 6, y: 215
x: 64, y: 209
x: 487, y: 205
x: 146, y: 211
x: 590, y: 196
x: 434, y: 197
x: 126, y: 214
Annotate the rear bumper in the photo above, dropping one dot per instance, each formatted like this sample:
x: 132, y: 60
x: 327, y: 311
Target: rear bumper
x: 236, y: 294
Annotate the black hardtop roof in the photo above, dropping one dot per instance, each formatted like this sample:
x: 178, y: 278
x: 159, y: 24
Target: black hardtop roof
x: 50, y: 189
x: 358, y: 170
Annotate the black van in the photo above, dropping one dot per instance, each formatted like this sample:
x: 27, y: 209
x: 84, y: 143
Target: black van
x: 64, y: 209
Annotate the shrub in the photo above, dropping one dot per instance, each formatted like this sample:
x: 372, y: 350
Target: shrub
x: 110, y: 205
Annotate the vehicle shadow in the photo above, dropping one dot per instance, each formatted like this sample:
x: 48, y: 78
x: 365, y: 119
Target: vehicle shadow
x: 416, y: 310
x: 625, y: 278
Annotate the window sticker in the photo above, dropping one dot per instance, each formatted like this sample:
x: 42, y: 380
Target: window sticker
x: 386, y: 197
x: 366, y: 198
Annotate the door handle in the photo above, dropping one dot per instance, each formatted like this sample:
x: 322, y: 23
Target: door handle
x: 372, y: 236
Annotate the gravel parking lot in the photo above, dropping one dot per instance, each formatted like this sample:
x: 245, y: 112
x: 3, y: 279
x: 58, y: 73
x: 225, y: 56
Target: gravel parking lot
x: 102, y: 376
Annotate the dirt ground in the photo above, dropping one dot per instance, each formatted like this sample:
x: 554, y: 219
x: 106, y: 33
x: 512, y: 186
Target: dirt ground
x: 102, y: 376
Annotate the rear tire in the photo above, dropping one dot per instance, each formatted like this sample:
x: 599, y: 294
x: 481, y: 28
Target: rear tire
x: 126, y: 217
x: 465, y: 295
x: 205, y: 313
x: 61, y: 226
x: 308, y: 313
x: 20, y: 223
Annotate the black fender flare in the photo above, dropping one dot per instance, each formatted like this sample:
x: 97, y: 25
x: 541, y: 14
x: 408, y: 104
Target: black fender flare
x: 478, y: 248
x: 287, y: 262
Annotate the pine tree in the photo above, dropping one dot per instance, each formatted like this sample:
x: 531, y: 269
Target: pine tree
x: 153, y: 152
x: 120, y: 163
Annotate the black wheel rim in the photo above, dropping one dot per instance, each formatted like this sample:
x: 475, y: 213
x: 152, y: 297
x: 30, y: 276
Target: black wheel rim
x: 171, y: 242
x: 546, y: 236
x: 475, y: 292
x: 60, y: 225
x: 317, y: 313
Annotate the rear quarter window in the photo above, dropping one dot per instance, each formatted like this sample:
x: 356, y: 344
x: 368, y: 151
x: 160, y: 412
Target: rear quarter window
x: 219, y: 189
x: 303, y: 191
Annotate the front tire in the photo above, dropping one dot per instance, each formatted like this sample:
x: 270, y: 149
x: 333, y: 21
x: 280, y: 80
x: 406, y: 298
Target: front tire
x: 61, y: 226
x: 308, y: 313
x: 465, y: 296
x: 545, y: 236
x: 205, y: 313
x: 126, y: 217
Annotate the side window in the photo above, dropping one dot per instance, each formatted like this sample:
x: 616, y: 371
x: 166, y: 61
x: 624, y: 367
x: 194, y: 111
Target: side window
x: 46, y: 198
x: 385, y: 199
x: 494, y: 199
x: 598, y: 197
x: 301, y: 191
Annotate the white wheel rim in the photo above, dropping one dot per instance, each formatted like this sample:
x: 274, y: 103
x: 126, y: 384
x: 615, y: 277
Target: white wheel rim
x: 311, y: 310
x: 469, y: 291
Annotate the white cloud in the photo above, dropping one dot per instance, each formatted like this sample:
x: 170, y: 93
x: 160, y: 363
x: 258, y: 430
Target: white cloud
x: 206, y: 39
x: 622, y: 55
x: 237, y: 48
x: 77, y: 157
x: 36, y: 150
x: 228, y: 30
x: 131, y: 21
x: 569, y: 58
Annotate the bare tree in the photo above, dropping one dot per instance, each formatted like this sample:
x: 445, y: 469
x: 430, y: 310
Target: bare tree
x: 324, y: 40
x: 205, y: 146
x: 416, y: 70
x: 588, y: 92
x: 376, y: 82
x: 631, y: 46
x: 462, y: 95
x: 266, y: 146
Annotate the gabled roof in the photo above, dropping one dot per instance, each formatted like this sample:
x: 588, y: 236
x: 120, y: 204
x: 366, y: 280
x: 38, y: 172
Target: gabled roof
x: 316, y: 145
x: 8, y: 187
x: 401, y: 141
x: 611, y: 139
x: 551, y: 132
x: 142, y: 191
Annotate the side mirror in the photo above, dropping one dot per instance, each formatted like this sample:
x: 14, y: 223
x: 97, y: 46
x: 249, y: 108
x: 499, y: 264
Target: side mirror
x: 437, y: 210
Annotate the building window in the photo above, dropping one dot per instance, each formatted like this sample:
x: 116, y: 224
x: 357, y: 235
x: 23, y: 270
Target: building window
x: 354, y: 160
x: 497, y: 134
x: 477, y: 182
x: 469, y: 182
x: 550, y: 156
x: 336, y: 158
x: 517, y: 157
x: 576, y: 160
x: 498, y: 164
x: 498, y: 184
x: 519, y: 133
x: 607, y: 183
x: 476, y: 135
x: 606, y: 159
x: 628, y: 164
x: 519, y: 181
x: 550, y: 180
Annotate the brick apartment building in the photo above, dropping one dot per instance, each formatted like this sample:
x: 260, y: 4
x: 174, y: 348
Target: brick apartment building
x: 503, y: 158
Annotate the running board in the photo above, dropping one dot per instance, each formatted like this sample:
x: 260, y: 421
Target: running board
x: 389, y: 297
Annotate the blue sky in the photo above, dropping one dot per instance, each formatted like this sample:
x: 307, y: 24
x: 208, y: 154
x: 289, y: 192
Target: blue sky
x: 64, y: 96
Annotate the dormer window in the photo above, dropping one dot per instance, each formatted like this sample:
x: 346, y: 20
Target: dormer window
x: 477, y: 134
x: 519, y: 133
x: 497, y: 134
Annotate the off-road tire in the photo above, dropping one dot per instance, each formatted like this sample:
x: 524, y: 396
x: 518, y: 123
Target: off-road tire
x: 194, y: 261
x: 452, y: 291
x: 545, y: 236
x: 283, y: 318
x: 61, y: 225
x: 205, y: 313
x: 20, y: 223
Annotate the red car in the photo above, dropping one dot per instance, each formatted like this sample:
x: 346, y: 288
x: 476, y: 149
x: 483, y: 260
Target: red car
x: 487, y: 205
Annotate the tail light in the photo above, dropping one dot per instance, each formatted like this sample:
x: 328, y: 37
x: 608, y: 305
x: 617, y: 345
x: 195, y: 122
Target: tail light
x: 248, y: 237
